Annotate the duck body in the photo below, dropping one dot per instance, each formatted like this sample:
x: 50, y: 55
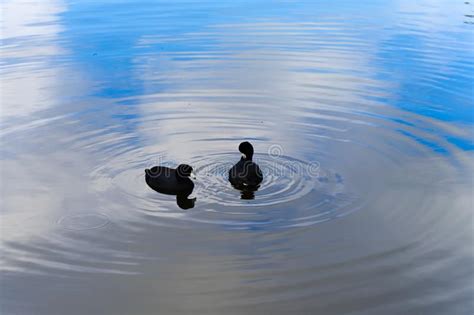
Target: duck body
x: 170, y: 181
x: 245, y: 173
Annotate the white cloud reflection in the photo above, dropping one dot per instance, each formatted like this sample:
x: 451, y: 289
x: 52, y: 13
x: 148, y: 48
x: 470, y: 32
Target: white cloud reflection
x: 259, y: 81
x: 30, y: 33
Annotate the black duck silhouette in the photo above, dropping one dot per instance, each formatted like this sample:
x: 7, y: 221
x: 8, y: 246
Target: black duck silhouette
x: 170, y: 181
x: 246, y: 174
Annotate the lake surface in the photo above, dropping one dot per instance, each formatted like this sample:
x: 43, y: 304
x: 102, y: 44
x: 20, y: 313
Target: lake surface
x: 361, y: 115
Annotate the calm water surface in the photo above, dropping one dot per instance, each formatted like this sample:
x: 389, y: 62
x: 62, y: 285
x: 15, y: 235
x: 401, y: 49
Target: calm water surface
x: 361, y: 114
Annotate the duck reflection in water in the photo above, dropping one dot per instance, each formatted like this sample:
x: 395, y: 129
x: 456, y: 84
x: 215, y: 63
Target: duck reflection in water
x: 170, y: 181
x: 246, y: 175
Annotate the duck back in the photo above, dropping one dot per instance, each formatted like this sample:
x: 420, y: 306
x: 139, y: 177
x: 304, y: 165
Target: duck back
x: 164, y: 180
x: 245, y: 173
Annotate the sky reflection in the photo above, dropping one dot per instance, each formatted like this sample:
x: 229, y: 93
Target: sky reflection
x: 378, y: 95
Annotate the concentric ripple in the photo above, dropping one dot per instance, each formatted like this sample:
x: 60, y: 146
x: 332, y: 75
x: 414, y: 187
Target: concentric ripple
x: 360, y: 114
x: 84, y: 222
x: 285, y: 179
x: 321, y: 193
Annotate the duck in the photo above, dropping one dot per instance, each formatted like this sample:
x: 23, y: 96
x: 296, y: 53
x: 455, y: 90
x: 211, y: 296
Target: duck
x: 171, y: 181
x: 245, y: 174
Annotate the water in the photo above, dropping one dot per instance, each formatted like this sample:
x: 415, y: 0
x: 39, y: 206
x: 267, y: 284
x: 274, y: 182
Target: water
x: 361, y: 118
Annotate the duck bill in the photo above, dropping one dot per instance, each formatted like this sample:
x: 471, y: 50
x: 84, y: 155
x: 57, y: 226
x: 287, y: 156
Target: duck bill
x: 192, y: 175
x: 244, y: 156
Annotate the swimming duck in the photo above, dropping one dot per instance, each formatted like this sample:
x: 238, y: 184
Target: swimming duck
x: 245, y: 174
x: 170, y: 181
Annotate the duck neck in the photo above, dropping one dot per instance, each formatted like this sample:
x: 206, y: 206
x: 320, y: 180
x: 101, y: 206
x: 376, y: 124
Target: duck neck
x: 247, y: 157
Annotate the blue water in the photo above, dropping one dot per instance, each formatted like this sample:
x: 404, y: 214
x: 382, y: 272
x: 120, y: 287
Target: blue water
x: 361, y: 115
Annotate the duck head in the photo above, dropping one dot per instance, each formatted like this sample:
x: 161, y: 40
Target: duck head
x: 247, y: 150
x: 184, y: 171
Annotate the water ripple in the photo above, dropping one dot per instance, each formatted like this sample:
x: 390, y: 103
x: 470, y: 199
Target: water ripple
x: 361, y: 119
